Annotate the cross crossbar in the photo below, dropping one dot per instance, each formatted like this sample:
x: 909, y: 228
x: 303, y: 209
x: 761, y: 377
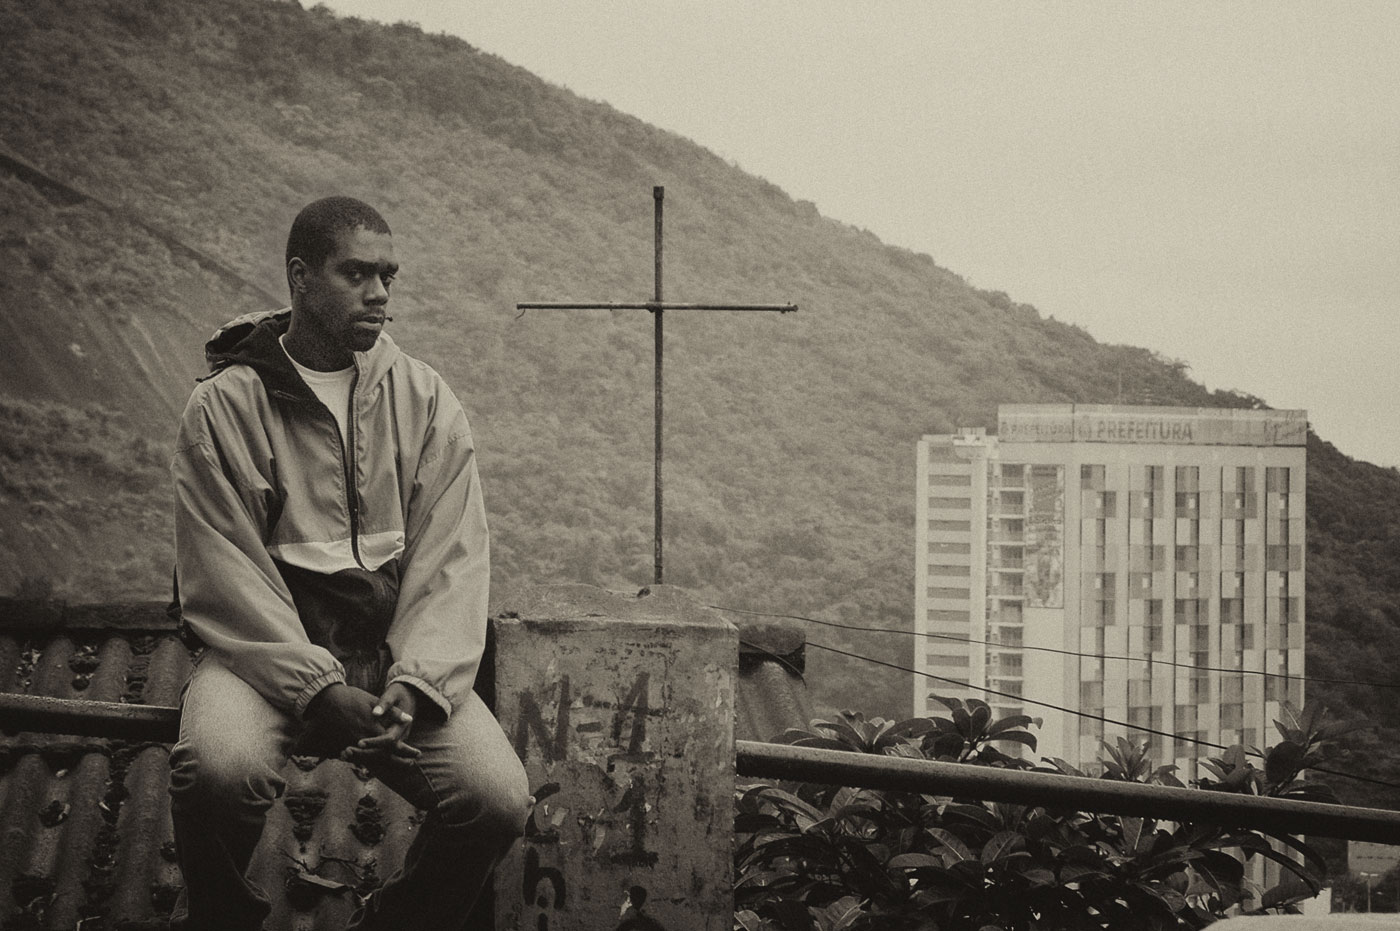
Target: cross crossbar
x: 650, y: 305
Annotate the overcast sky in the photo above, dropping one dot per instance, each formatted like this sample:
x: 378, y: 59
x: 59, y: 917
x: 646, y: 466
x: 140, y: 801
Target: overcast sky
x: 1219, y: 182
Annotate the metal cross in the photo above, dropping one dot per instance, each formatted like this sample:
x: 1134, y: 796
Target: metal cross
x: 657, y: 307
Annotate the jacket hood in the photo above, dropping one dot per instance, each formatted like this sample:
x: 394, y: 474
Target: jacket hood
x: 253, y: 340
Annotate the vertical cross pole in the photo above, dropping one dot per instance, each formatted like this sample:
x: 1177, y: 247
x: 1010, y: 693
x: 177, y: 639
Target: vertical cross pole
x: 656, y: 306
x: 658, y: 194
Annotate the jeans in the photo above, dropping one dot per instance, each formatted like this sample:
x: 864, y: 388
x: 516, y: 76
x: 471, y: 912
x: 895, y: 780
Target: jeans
x: 225, y: 775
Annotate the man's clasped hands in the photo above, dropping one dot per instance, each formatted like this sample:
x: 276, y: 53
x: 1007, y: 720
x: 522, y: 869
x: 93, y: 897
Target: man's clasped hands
x: 371, y: 729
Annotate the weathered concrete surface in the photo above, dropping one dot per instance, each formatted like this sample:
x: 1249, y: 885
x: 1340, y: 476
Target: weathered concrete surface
x: 622, y: 708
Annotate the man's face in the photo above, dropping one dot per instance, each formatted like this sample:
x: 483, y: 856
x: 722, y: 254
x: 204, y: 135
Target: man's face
x: 344, y: 301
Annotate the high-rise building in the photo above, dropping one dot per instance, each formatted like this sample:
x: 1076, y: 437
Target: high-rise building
x: 1133, y: 565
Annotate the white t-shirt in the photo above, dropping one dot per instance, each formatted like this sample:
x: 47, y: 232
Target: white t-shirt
x: 333, y: 389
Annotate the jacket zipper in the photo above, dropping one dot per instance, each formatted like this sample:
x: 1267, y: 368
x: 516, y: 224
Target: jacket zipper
x: 347, y: 458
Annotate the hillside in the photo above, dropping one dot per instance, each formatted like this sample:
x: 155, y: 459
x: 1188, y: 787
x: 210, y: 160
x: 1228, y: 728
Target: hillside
x: 187, y: 134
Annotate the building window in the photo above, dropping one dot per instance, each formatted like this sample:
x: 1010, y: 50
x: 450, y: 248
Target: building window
x: 1190, y: 743
x: 1011, y: 501
x: 948, y: 659
x: 1276, y: 479
x: 963, y: 526
x: 1190, y: 534
x: 1234, y: 535
x: 1091, y: 477
x: 1139, y: 691
x: 1090, y: 694
x: 950, y: 504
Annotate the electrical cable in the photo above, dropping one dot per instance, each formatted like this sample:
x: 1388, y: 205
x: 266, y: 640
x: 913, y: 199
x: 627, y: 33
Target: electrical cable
x: 1082, y: 714
x: 1018, y: 698
x: 1116, y: 657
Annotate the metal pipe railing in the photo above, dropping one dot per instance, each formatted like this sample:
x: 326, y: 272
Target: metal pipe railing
x: 833, y: 767
x: 45, y: 715
x: 1104, y: 796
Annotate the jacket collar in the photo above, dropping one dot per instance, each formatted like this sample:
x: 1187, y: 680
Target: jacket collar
x: 253, y: 340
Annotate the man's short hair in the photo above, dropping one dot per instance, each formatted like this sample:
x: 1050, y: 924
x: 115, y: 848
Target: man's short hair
x: 320, y: 223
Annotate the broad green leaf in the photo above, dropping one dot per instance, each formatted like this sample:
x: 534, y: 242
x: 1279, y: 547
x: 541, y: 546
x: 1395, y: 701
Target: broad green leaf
x: 1020, y: 737
x: 914, y: 861
x: 981, y: 717
x: 975, y: 813
x: 962, y: 720
x: 1010, y: 722
x: 1001, y: 845
x: 952, y: 843
x: 1132, y: 833
x: 1296, y: 869
x: 748, y: 921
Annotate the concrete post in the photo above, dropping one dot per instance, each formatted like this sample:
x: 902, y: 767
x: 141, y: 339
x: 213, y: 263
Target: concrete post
x: 622, y: 708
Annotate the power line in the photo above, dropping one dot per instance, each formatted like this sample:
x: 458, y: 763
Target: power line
x: 1018, y: 698
x: 1082, y: 714
x: 1129, y: 659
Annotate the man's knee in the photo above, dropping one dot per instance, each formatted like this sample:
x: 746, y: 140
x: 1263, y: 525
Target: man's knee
x: 496, y: 808
x: 219, y: 776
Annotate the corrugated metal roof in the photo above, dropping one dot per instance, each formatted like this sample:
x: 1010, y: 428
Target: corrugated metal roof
x: 85, y: 835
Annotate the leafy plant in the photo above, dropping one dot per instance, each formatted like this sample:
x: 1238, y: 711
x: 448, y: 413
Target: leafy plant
x: 814, y: 858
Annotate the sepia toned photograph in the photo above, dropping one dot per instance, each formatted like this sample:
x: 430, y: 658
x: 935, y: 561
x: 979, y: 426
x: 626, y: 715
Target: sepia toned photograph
x: 732, y: 466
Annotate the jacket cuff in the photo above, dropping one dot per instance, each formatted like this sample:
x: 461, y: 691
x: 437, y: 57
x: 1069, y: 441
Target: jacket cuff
x: 433, y: 694
x: 314, y: 688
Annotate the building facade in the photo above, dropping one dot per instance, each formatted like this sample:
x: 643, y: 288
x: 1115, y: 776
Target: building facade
x: 1135, y: 566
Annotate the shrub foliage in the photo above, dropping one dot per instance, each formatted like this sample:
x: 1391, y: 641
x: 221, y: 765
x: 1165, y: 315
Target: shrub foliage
x: 822, y: 858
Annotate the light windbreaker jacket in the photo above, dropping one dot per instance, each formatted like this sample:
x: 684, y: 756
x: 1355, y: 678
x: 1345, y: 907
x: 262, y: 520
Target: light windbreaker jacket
x: 298, y: 565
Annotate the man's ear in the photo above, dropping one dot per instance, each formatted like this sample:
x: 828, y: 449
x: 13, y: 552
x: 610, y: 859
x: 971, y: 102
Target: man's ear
x: 296, y: 275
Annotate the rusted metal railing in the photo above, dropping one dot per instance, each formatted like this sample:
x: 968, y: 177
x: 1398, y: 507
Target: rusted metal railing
x: 835, y: 767
x: 777, y: 761
x: 41, y: 714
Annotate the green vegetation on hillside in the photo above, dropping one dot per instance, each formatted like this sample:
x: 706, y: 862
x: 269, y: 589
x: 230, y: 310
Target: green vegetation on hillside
x: 77, y: 491
x: 790, y: 440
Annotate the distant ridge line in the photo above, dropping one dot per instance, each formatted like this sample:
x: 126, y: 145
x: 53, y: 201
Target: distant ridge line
x: 63, y: 194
